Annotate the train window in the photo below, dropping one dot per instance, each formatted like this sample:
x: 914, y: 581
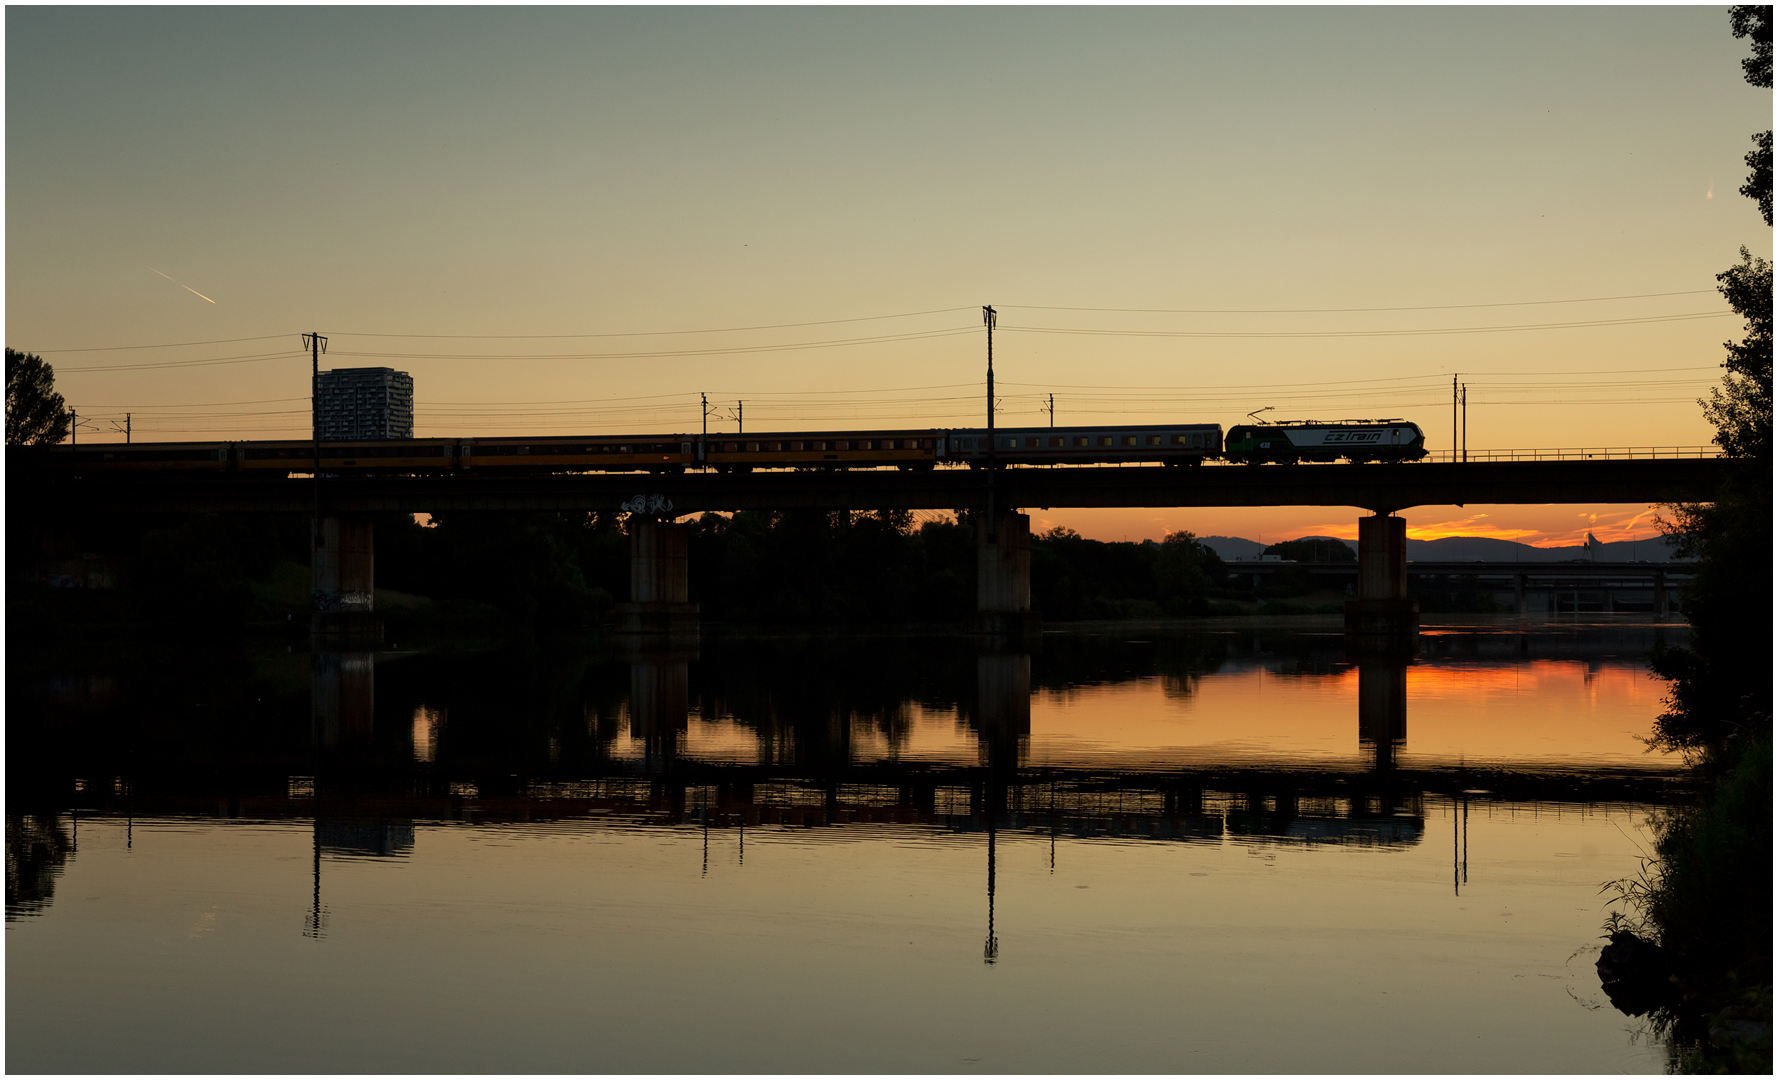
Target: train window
x: 729, y: 447
x: 796, y: 446
x: 1057, y: 440
x: 753, y: 446
x: 1030, y: 444
x: 1104, y: 440
x: 1154, y: 440
x: 1129, y: 440
x: 926, y: 444
x: 843, y: 444
x: 1082, y: 440
x: 1009, y: 444
x: 965, y: 444
x: 1180, y: 440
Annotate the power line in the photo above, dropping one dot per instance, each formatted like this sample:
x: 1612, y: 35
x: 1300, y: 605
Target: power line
x: 170, y: 344
x: 253, y: 358
x: 1429, y: 331
x: 1322, y: 311
x: 656, y: 333
x: 733, y: 350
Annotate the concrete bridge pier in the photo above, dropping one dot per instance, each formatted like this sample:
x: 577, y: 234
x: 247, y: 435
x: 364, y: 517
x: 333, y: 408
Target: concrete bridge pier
x: 1382, y: 618
x: 342, y: 582
x: 1003, y: 576
x: 660, y: 596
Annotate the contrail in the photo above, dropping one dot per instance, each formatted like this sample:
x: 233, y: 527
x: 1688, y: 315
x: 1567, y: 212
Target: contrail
x: 186, y: 287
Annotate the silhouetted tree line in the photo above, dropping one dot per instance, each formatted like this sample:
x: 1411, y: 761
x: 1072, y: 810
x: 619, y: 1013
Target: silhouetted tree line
x: 1692, y: 947
x: 501, y: 571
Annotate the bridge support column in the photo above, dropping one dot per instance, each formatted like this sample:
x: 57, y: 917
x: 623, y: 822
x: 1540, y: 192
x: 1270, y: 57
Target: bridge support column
x: 660, y: 604
x: 1519, y: 594
x: 1382, y: 618
x: 1660, y: 605
x: 342, y: 582
x: 1003, y: 577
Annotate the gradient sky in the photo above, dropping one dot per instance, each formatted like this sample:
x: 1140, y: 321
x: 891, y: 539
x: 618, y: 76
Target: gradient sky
x: 485, y: 176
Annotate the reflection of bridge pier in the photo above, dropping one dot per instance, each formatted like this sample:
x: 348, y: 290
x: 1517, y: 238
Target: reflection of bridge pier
x: 1383, y: 707
x: 660, y: 699
x: 1003, y: 709
x: 1003, y: 732
x: 342, y: 698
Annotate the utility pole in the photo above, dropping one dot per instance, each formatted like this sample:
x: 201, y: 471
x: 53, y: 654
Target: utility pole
x: 126, y: 429
x: 73, y: 428
x: 317, y: 345
x: 740, y: 412
x: 988, y: 320
x: 1454, y: 415
x: 1052, y: 412
x: 1464, y: 397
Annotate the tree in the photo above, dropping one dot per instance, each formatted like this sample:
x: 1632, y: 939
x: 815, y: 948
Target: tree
x: 1314, y: 549
x: 1741, y: 408
x: 35, y: 413
x: 1755, y: 21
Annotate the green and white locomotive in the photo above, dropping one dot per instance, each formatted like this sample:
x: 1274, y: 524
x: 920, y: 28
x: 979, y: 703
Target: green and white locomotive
x: 1291, y: 441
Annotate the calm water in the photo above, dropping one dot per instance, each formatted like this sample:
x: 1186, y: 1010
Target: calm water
x: 1136, y: 849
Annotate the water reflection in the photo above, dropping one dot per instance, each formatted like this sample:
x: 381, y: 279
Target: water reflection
x: 37, y: 848
x: 1262, y: 738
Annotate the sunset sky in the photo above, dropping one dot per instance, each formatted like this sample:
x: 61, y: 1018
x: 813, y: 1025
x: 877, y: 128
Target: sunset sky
x: 567, y: 221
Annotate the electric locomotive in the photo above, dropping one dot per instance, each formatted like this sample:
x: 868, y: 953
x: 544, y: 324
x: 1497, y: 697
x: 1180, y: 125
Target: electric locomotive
x: 1357, y: 441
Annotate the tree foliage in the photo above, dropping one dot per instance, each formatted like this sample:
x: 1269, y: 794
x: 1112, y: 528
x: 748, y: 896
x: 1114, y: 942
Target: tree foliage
x: 1755, y: 21
x: 1311, y: 549
x: 35, y: 413
x: 1759, y: 174
x: 1741, y: 408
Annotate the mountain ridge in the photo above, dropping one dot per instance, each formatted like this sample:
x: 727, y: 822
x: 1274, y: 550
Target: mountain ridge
x: 1471, y: 548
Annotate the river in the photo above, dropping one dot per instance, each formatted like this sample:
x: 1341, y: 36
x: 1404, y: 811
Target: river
x: 1220, y: 846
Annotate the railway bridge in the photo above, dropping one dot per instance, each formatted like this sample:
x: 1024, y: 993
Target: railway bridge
x: 342, y: 569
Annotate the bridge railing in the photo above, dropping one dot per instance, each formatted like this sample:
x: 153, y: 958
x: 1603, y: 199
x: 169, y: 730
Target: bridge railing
x: 1578, y: 453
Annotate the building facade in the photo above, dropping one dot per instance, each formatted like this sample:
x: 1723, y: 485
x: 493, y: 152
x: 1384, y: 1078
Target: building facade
x: 366, y: 403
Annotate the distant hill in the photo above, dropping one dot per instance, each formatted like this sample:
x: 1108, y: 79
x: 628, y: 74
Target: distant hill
x: 1470, y: 548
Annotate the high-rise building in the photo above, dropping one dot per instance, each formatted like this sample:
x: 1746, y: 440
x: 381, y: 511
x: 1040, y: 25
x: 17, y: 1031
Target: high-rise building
x: 366, y: 403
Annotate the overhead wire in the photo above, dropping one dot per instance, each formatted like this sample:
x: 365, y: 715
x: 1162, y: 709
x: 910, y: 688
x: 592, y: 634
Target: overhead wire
x: 1323, y: 311
x: 657, y: 333
x: 1419, y: 332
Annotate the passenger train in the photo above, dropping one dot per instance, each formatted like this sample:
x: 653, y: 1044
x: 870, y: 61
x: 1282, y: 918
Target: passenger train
x: 913, y: 449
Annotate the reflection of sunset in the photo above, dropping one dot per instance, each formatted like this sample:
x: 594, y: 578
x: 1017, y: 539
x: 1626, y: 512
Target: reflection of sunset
x: 1543, y: 712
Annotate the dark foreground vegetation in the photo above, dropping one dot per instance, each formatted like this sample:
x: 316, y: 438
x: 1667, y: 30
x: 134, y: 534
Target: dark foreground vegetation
x: 1691, y: 943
